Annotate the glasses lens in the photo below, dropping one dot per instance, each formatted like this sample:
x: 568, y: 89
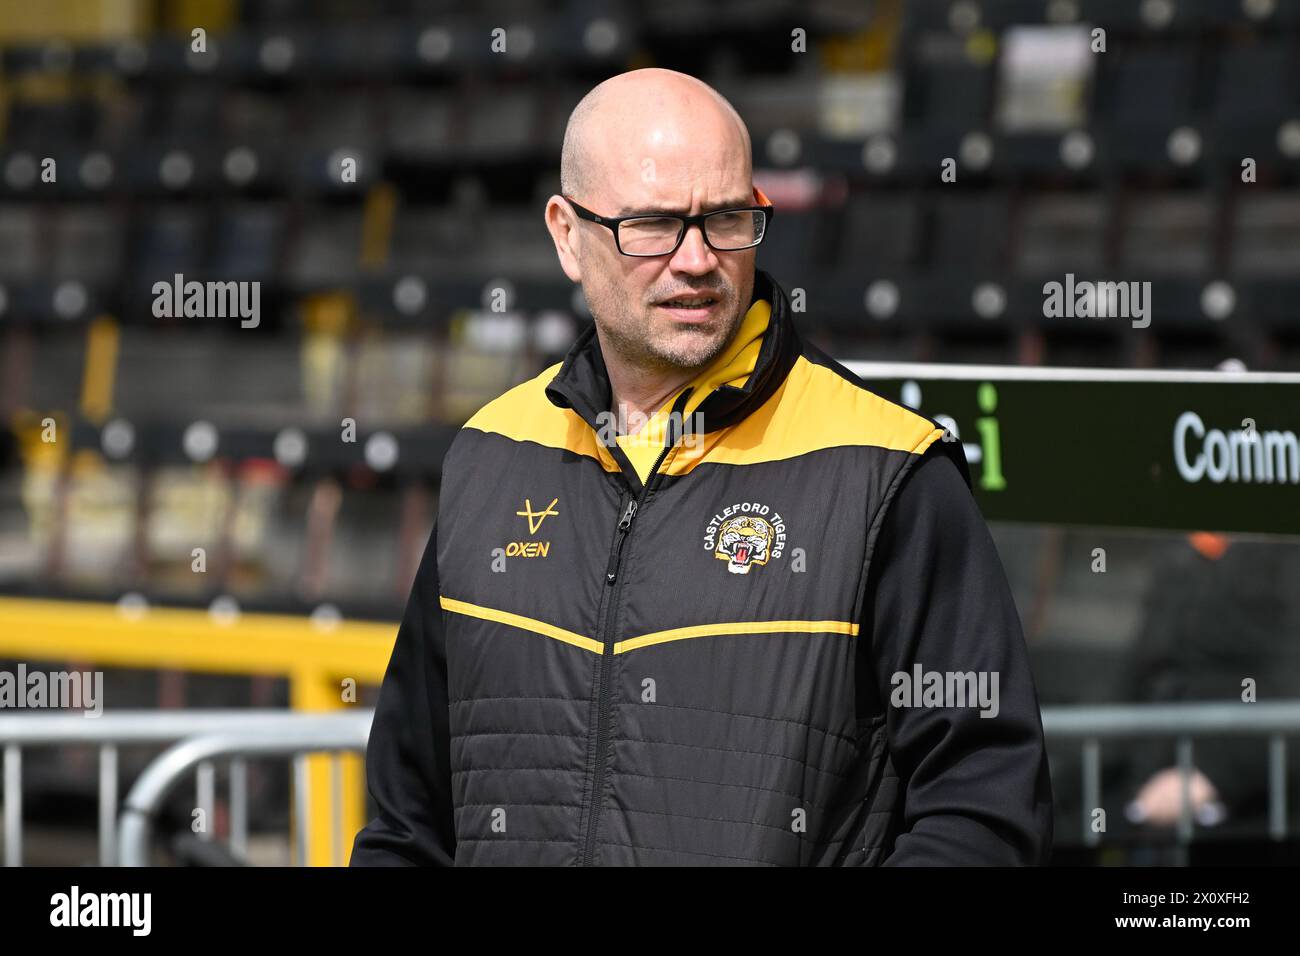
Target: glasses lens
x: 735, y: 230
x: 648, y: 236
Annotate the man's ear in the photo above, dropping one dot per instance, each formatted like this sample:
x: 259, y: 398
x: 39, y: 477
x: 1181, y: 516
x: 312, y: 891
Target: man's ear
x: 563, y: 226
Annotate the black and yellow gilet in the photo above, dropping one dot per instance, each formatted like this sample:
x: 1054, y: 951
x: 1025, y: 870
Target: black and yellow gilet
x: 676, y: 646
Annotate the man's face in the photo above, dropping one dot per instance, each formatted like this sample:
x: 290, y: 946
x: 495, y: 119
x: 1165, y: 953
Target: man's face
x: 670, y: 312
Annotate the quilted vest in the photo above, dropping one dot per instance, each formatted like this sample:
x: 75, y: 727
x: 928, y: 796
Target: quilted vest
x: 651, y: 641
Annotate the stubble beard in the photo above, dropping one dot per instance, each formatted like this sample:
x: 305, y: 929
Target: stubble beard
x: 683, y: 349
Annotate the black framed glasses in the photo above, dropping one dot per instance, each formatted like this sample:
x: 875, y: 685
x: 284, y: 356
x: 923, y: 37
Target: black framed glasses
x: 725, y: 230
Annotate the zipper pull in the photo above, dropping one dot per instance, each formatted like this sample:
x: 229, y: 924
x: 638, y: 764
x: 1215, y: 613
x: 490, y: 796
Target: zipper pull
x: 624, y: 525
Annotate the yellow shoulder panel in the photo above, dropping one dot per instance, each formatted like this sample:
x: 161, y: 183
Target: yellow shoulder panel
x: 524, y: 413
x: 815, y: 408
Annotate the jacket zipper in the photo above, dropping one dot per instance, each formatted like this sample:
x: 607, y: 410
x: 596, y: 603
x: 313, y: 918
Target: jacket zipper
x: 613, y: 581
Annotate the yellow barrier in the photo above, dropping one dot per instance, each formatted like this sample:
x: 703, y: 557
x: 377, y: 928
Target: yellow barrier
x: 316, y: 661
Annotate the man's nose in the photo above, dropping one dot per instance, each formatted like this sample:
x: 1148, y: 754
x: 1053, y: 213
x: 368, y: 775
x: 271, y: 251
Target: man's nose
x: 694, y: 255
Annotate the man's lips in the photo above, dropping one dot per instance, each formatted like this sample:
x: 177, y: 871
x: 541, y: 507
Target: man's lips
x: 694, y: 307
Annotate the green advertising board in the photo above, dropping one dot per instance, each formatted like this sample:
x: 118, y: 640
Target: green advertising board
x: 1191, y: 451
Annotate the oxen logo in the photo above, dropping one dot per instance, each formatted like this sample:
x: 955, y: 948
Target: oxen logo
x: 532, y: 549
x: 535, y: 518
x: 746, y: 536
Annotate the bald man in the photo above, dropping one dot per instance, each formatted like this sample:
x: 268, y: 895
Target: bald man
x: 695, y: 595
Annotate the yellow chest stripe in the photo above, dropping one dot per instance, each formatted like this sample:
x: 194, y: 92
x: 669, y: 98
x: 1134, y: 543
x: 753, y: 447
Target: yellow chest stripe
x: 646, y: 640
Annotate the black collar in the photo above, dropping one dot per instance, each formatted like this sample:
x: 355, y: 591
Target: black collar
x: 583, y: 381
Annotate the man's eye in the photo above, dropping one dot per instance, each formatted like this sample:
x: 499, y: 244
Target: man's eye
x: 651, y: 225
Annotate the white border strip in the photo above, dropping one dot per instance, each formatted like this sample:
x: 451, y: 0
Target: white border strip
x: 930, y: 370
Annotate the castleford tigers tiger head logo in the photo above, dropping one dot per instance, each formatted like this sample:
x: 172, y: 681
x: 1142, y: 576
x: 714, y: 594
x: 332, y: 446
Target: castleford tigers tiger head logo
x: 743, y: 543
x: 746, y: 536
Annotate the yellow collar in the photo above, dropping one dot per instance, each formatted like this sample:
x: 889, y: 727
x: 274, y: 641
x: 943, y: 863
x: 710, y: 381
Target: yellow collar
x: 733, y: 366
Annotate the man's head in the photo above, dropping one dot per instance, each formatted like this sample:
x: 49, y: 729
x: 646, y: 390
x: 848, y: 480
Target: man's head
x: 655, y: 140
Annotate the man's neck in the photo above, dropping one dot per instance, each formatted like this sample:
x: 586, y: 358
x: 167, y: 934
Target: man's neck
x: 636, y: 394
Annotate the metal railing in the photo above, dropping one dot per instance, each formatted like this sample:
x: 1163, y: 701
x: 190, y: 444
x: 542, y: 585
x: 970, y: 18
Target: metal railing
x: 1183, y: 721
x: 298, y: 735
x: 205, y: 733
x: 200, y: 737
x: 323, y: 667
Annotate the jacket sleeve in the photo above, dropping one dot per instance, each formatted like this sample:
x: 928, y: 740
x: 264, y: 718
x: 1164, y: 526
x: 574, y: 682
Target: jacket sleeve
x: 974, y: 789
x: 408, y: 756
